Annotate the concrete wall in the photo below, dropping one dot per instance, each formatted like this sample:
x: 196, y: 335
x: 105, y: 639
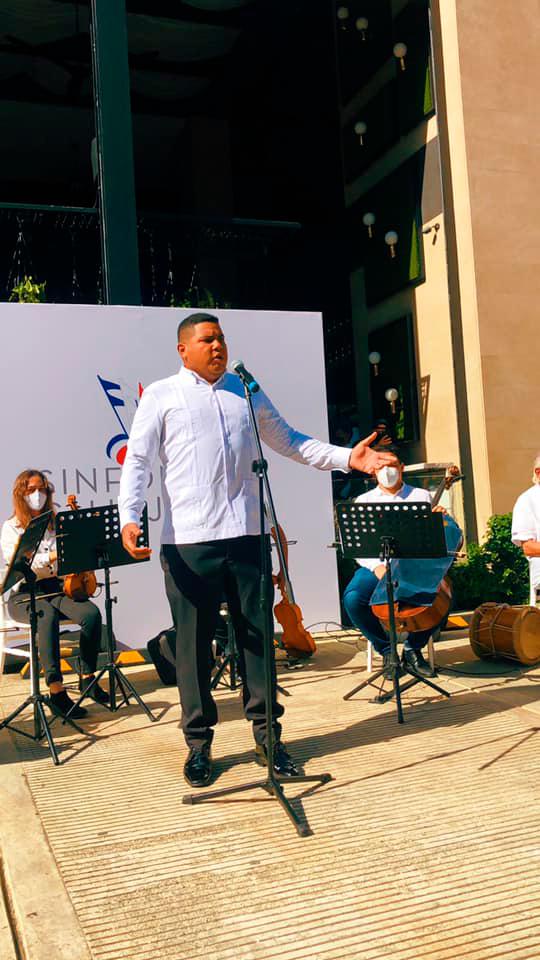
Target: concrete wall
x: 499, y: 61
x: 433, y: 330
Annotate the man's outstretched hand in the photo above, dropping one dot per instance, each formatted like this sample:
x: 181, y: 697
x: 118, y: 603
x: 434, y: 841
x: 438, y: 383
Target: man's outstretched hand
x: 130, y: 535
x: 369, y: 461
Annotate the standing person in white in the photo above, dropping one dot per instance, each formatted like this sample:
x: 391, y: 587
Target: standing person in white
x: 197, y: 422
x: 526, y: 527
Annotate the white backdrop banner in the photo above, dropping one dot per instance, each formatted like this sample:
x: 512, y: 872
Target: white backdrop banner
x: 71, y: 380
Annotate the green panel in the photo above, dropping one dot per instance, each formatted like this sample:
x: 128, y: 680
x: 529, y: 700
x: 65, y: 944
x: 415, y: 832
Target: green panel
x: 429, y: 104
x: 115, y: 152
x: 414, y: 89
x: 415, y: 268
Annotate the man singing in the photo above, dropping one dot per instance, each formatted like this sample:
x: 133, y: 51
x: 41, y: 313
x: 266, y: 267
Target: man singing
x: 197, y: 421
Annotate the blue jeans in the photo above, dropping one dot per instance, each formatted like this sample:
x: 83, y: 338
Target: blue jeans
x: 356, y: 601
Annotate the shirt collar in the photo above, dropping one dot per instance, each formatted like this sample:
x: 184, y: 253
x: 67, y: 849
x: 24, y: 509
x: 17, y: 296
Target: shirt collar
x: 191, y: 375
x: 396, y: 493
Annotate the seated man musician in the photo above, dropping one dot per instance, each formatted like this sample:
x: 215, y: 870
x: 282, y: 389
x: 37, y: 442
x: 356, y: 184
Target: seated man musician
x: 357, y: 597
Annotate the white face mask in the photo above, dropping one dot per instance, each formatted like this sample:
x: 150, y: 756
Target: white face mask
x: 388, y: 476
x: 36, y: 500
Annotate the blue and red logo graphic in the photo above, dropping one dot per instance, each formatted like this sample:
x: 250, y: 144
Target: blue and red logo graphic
x: 117, y: 445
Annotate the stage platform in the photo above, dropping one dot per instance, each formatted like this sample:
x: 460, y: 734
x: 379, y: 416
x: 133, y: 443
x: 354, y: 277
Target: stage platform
x: 425, y: 844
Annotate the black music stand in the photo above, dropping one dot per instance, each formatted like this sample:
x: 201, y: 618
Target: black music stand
x: 273, y: 783
x: 392, y: 530
x: 90, y: 539
x: 20, y: 568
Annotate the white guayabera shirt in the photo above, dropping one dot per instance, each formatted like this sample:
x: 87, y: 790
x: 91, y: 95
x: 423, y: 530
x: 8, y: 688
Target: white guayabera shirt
x: 526, y: 526
x: 42, y: 565
x: 202, y: 434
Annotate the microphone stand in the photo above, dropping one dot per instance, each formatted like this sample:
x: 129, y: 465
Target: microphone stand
x: 272, y: 783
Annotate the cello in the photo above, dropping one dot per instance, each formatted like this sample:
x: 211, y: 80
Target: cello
x: 421, y: 608
x: 296, y: 639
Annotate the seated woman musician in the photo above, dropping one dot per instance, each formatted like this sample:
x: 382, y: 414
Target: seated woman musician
x: 32, y: 495
x: 357, y: 597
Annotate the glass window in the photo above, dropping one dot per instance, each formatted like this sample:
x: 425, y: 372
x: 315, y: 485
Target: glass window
x: 47, y: 119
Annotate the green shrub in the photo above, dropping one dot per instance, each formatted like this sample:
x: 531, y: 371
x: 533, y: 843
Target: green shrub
x: 494, y: 570
x: 28, y: 292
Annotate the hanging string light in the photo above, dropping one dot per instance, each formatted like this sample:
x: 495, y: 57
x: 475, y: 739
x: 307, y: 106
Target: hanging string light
x: 75, y: 285
x: 168, y: 293
x: 153, y: 283
x: 99, y: 285
x: 20, y: 265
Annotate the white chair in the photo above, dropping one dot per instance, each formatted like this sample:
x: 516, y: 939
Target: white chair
x: 13, y: 636
x: 15, y: 639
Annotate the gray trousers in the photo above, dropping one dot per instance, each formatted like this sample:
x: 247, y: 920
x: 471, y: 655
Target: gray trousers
x: 51, y: 612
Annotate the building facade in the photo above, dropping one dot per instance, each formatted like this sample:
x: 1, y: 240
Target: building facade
x: 376, y: 160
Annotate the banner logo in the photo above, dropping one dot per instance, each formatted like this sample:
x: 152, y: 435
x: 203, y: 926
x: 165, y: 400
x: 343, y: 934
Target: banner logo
x: 117, y: 446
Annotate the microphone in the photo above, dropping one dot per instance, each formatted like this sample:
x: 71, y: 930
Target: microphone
x: 246, y: 377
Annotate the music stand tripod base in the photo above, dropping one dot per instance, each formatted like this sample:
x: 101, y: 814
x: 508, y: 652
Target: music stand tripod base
x: 90, y: 539
x: 392, y: 530
x: 385, y: 696
x: 20, y: 568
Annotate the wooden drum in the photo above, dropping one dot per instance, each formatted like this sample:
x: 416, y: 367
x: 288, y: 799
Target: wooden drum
x: 498, y: 630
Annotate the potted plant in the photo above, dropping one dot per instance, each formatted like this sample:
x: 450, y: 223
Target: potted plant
x: 26, y: 291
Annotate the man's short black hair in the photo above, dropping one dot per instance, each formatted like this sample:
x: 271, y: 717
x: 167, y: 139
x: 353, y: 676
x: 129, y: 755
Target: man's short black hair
x: 192, y: 320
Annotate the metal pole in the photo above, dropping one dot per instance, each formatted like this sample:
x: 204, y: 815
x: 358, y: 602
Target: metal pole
x: 118, y: 219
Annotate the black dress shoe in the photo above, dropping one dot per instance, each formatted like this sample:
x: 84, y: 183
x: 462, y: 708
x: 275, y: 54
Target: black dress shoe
x: 388, y: 670
x: 283, y: 762
x: 198, y: 767
x: 414, y: 660
x: 97, y: 693
x: 62, y: 704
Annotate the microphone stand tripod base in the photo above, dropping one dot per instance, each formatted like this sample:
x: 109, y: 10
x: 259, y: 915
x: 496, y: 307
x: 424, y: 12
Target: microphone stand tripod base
x: 273, y: 785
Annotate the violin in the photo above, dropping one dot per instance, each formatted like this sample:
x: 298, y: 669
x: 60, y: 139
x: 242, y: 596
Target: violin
x: 79, y: 586
x: 296, y: 639
x: 423, y: 616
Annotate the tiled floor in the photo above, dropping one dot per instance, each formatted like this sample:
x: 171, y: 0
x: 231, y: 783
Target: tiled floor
x: 426, y: 844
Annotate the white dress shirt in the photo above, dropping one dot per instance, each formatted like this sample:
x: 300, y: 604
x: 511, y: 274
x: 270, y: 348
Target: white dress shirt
x: 377, y: 495
x: 202, y: 434
x: 42, y: 565
x: 526, y: 526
